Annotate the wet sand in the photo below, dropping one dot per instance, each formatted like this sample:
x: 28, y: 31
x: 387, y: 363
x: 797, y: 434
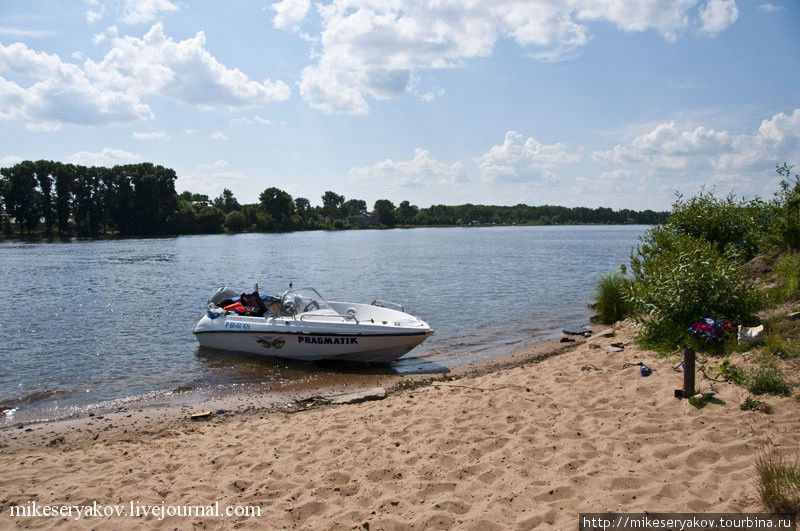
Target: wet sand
x: 527, y: 441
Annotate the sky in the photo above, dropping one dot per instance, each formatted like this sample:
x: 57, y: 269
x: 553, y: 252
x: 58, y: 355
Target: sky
x: 618, y: 103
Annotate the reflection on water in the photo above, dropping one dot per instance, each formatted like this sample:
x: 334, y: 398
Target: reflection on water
x: 104, y: 321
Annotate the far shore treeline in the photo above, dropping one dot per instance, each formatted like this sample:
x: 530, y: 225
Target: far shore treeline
x: 46, y: 198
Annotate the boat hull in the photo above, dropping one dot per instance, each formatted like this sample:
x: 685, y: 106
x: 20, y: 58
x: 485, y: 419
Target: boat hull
x: 297, y: 340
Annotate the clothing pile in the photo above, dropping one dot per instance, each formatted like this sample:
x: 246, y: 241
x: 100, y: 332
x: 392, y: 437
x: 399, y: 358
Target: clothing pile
x: 710, y: 327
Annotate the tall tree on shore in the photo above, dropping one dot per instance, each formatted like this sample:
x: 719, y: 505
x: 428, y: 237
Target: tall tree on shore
x: 332, y: 205
x: 64, y: 178
x: 119, y: 202
x: 352, y: 207
x: 44, y: 177
x: 384, y: 210
x: 303, y: 211
x: 279, y: 205
x: 227, y: 202
x: 154, y: 197
x: 20, y: 197
x: 405, y: 212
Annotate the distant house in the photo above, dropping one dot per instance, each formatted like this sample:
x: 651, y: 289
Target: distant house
x: 363, y: 221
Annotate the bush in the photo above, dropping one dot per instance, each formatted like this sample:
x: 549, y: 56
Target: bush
x: 787, y: 208
x: 729, y: 223
x: 788, y: 269
x: 235, y: 221
x: 778, y: 480
x: 730, y: 372
x: 677, y: 279
x: 611, y: 303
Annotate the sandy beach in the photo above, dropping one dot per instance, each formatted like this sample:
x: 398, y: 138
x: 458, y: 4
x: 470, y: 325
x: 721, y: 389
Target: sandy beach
x: 531, y: 444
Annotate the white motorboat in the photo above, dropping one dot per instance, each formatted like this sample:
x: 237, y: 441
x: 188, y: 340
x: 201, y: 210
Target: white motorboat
x: 301, y: 325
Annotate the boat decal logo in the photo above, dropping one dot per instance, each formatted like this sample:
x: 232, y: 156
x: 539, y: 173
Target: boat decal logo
x: 237, y: 326
x: 268, y: 342
x: 328, y: 340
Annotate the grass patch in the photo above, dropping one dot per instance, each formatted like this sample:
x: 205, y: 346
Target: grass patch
x: 778, y: 480
x: 783, y: 337
x: 754, y: 404
x: 767, y: 378
x: 611, y: 303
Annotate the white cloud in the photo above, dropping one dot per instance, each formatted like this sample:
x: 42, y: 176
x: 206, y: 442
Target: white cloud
x: 684, y: 155
x: 421, y: 170
x: 183, y: 70
x: 518, y: 158
x: 22, y: 33
x: 97, y: 38
x: 43, y: 127
x: 243, y: 120
x: 777, y: 140
x: 136, y: 11
x: 93, y: 15
x: 371, y: 49
x: 717, y: 15
x: 209, y: 178
x: 216, y: 165
x: 191, y: 131
x: 769, y: 8
x: 151, y: 135
x: 10, y: 160
x: 667, y: 146
x: 112, y: 89
x: 608, y: 182
x: 106, y: 157
x: 290, y: 13
x: 218, y: 135
x: 61, y: 92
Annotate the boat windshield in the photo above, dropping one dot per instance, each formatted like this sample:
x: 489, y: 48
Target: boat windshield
x: 303, y: 300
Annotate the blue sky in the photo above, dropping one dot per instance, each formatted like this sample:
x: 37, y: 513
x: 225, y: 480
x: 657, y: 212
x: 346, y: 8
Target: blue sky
x: 576, y: 102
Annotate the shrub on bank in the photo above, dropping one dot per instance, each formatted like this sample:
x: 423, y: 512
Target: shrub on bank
x: 678, y: 278
x: 788, y: 270
x: 786, y: 207
x: 730, y: 223
x: 611, y: 303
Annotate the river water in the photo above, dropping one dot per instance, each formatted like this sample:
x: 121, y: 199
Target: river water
x: 110, y: 321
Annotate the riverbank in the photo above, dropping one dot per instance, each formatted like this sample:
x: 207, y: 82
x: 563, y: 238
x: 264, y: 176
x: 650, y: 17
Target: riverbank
x: 553, y: 433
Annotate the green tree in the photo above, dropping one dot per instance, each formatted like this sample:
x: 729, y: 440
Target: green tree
x: 227, y: 202
x: 184, y: 218
x: 21, y: 198
x: 64, y: 178
x: 405, y: 213
x: 279, y: 205
x: 384, y: 210
x: 119, y: 202
x: 44, y: 177
x: 332, y: 205
x: 353, y: 207
x: 235, y: 221
x: 303, y: 211
x: 154, y: 197
x: 209, y: 220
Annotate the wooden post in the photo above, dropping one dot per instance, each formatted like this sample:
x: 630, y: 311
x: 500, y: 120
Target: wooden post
x: 688, y: 373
